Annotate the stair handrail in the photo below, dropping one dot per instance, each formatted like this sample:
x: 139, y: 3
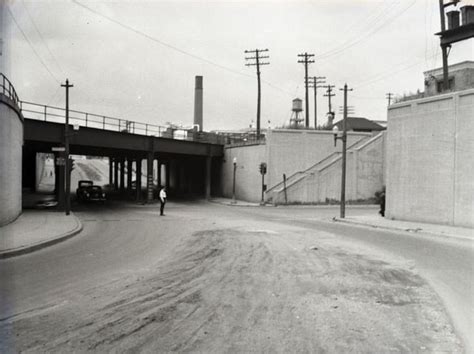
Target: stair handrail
x: 332, y: 155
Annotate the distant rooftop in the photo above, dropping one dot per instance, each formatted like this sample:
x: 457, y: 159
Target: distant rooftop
x: 359, y: 124
x: 467, y: 64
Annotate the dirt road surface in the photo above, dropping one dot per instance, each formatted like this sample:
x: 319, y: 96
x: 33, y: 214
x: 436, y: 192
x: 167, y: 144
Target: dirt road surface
x: 223, y: 282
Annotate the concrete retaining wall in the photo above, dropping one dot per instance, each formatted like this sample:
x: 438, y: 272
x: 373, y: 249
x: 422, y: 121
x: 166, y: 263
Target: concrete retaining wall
x: 321, y: 183
x: 248, y: 178
x: 430, y: 159
x: 291, y: 150
x: 286, y: 151
x: 11, y: 142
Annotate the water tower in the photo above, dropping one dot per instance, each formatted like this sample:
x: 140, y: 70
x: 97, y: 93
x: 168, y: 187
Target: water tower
x: 296, y: 110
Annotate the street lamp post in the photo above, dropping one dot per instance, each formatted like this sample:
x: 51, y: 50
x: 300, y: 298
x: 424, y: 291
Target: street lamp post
x: 233, y: 185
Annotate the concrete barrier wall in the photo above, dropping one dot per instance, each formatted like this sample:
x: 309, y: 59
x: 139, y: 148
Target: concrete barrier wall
x: 293, y: 150
x: 248, y: 177
x: 11, y: 142
x: 430, y: 159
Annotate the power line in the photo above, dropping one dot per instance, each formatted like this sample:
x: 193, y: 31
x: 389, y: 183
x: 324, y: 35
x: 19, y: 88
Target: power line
x: 369, y: 24
x: 370, y: 33
x: 31, y: 46
x: 42, y: 38
x: 170, y: 46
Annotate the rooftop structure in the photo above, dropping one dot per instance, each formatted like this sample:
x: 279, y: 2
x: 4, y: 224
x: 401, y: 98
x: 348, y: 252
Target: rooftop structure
x: 461, y: 77
x: 359, y: 124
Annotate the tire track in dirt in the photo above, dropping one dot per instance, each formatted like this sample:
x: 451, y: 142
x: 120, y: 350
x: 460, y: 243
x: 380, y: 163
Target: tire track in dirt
x: 238, y: 290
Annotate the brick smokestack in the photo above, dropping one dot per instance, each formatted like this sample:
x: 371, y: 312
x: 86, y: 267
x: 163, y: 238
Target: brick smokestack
x: 198, y: 103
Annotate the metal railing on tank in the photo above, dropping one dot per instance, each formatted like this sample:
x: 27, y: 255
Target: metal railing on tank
x: 8, y: 90
x: 53, y: 114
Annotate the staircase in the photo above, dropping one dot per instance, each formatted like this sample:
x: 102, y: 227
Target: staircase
x: 306, y: 186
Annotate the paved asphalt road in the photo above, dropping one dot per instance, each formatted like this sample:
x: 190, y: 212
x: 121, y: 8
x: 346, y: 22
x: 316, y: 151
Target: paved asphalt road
x: 91, y: 283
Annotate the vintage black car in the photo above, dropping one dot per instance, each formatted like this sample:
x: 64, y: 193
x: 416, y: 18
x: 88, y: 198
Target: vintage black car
x: 87, y: 191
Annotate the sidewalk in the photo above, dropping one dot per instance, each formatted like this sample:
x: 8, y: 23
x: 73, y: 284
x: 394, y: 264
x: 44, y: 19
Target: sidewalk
x: 377, y: 221
x: 35, y: 229
x: 372, y: 219
x: 227, y: 201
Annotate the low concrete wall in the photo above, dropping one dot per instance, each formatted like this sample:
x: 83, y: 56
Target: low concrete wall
x: 430, y: 159
x: 11, y: 142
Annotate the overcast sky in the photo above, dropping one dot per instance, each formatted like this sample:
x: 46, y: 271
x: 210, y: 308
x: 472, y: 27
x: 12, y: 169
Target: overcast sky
x: 137, y: 59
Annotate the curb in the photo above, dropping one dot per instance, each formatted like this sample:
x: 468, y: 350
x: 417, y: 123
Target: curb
x: 248, y: 205
x: 407, y: 230
x: 37, y: 246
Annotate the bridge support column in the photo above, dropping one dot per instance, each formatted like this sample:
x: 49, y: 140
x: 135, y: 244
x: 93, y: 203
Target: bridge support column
x: 208, y: 177
x: 111, y: 172
x: 116, y: 186
x: 122, y: 174
x: 138, y: 178
x: 167, y: 174
x: 61, y: 181
x: 149, y: 177
x: 29, y: 169
x: 159, y: 174
x: 129, y: 175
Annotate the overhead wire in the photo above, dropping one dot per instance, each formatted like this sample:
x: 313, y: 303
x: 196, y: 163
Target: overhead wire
x: 175, y: 48
x: 369, y: 23
x: 367, y: 35
x: 32, y: 47
x: 42, y: 38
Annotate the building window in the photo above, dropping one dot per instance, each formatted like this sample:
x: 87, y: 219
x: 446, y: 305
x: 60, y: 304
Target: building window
x: 440, y: 84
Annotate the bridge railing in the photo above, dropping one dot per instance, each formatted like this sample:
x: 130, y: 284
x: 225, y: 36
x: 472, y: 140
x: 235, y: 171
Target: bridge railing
x: 7, y: 89
x: 91, y: 120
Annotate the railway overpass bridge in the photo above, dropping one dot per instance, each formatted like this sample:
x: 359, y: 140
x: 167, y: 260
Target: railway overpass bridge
x: 188, y: 159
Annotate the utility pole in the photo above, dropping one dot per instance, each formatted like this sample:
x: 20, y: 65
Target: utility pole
x: 306, y: 61
x: 389, y: 98
x: 257, y: 63
x: 444, y: 48
x: 445, y: 44
x: 344, y: 148
x: 329, y: 94
x: 67, y: 167
x: 315, y: 84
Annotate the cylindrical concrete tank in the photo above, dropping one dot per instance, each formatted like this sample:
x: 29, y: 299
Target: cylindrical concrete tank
x: 297, y: 105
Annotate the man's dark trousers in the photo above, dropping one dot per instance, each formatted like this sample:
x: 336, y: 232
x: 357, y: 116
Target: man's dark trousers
x: 162, y: 206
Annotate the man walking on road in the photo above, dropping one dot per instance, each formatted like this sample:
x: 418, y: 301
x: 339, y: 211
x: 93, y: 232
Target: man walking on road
x: 162, y: 200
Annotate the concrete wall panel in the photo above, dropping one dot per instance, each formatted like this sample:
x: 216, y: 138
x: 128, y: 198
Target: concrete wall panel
x: 296, y: 150
x: 464, y: 163
x: 248, y: 177
x: 430, y: 158
x: 11, y: 142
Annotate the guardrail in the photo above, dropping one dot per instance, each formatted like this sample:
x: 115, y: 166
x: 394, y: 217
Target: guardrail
x: 90, y: 120
x: 7, y: 89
